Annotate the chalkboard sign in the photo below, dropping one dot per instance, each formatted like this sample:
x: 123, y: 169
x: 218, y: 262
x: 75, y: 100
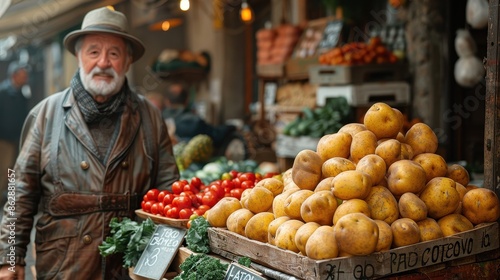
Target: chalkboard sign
x: 331, y: 35
x: 160, y: 251
x: 239, y: 272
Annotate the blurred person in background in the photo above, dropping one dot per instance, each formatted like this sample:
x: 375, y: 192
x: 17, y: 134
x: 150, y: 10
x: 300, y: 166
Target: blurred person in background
x: 13, y: 111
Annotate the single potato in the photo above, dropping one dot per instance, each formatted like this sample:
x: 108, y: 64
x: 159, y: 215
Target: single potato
x: 454, y: 223
x: 384, y: 236
x: 422, y: 139
x: 334, y: 145
x: 412, y: 207
x: 351, y: 184
x: 303, y: 234
x: 363, y: 143
x: 336, y: 165
x: 433, y: 164
x: 259, y: 199
x: 458, y: 173
x: 218, y: 214
x: 279, y: 202
x: 273, y: 227
x: 258, y: 225
x: 405, y: 176
x: 404, y: 232
x: 324, y: 185
x: 382, y: 204
x: 429, y: 229
x: 306, y: 169
x: 352, y: 128
x: 322, y: 244
x: 274, y: 185
x: 481, y: 205
x: 319, y: 208
x: 390, y: 151
x: 237, y: 221
x: 356, y: 234
x: 351, y: 206
x: 294, y: 202
x: 285, y: 235
x: 374, y: 166
x: 441, y: 197
x: 383, y: 121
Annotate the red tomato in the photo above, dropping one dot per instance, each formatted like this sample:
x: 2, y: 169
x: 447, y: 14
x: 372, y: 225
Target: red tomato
x: 258, y: 176
x: 236, y: 183
x: 236, y: 192
x: 168, y: 198
x: 209, y: 198
x: 178, y: 187
x: 161, y: 208
x: 173, y: 213
x: 190, y: 188
x: 218, y: 190
x: 234, y: 173
x: 199, y: 197
x: 152, y: 194
x: 203, y: 208
x: 182, y: 202
x: 247, y: 184
x: 247, y: 176
x: 196, y: 182
x: 166, y: 208
x: 185, y: 213
x: 227, y: 184
x: 162, y: 194
x: 188, y: 225
x: 147, y: 206
x: 145, y: 197
x: 154, y: 208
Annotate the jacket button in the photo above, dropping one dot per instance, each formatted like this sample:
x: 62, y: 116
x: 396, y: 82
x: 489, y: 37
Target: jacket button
x: 87, y: 239
x: 84, y: 165
x: 124, y: 164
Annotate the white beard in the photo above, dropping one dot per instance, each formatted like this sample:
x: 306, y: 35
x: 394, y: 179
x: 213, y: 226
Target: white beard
x: 101, y: 88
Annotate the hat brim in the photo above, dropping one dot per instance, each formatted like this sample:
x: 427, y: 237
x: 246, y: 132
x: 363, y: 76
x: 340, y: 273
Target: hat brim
x: 138, y: 48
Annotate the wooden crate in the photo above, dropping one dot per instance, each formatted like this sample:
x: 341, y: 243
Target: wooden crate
x: 270, y: 70
x: 357, y: 74
x: 180, y: 223
x: 434, y: 254
x: 297, y: 68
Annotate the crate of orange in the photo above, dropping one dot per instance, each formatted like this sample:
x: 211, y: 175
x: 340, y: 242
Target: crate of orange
x: 356, y: 63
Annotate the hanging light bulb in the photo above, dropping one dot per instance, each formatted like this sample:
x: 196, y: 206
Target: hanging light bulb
x: 165, y: 25
x: 246, y: 13
x: 184, y: 5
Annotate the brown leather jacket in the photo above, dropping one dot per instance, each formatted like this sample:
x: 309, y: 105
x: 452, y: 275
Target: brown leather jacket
x: 77, y: 194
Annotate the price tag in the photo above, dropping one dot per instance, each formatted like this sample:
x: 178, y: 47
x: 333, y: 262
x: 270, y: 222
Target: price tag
x: 239, y: 272
x: 160, y: 251
x: 331, y: 35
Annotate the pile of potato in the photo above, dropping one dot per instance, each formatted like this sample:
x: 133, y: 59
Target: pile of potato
x: 366, y: 188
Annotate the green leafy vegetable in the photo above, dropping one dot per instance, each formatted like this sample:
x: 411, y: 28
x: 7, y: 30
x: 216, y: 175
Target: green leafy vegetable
x: 197, y: 236
x: 246, y: 261
x: 127, y: 237
x: 202, y: 266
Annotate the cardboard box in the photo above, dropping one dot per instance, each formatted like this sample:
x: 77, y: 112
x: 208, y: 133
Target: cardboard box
x: 483, y: 238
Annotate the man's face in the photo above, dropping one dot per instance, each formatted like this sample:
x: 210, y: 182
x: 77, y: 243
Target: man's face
x: 20, y: 78
x: 104, y: 61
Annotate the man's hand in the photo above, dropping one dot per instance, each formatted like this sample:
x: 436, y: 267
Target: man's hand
x: 16, y: 273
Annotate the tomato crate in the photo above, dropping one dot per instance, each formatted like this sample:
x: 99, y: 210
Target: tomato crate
x: 423, y: 256
x: 158, y: 219
x: 357, y: 74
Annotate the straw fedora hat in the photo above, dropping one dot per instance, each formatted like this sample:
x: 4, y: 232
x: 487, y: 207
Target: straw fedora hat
x: 104, y: 20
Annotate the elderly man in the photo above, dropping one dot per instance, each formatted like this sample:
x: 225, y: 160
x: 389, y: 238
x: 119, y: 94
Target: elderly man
x: 88, y: 154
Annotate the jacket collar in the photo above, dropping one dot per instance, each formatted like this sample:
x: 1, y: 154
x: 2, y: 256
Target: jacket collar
x: 129, y: 125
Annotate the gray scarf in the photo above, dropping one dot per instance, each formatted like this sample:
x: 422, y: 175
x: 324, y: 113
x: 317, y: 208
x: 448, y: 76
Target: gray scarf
x: 91, y: 110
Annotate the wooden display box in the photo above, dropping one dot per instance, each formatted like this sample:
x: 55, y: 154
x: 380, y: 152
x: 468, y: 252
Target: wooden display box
x: 179, y: 223
x: 357, y: 74
x: 443, y: 252
x: 298, y: 68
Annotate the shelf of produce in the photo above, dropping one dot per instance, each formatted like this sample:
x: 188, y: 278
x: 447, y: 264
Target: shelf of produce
x: 180, y: 223
x: 435, y: 255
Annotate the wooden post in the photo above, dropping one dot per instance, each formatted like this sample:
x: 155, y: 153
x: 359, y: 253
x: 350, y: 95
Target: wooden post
x: 492, y: 107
